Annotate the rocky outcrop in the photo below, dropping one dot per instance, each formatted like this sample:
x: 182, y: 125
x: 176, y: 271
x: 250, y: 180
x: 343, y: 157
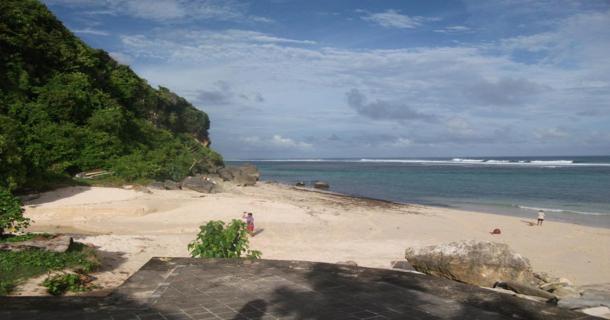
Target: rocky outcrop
x: 200, y: 183
x: 246, y: 175
x: 55, y: 244
x: 171, y: 185
x: 478, y: 263
x: 321, y: 185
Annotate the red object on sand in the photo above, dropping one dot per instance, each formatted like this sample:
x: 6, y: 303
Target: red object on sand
x: 496, y: 231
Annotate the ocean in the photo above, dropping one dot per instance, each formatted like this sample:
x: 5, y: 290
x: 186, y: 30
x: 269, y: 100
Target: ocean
x: 570, y: 189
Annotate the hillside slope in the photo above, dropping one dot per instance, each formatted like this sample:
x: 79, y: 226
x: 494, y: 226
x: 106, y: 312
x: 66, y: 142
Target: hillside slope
x: 66, y: 108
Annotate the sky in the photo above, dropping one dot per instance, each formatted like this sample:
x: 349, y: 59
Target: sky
x: 287, y: 79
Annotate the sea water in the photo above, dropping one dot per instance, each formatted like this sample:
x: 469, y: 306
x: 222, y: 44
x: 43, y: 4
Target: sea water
x: 572, y: 189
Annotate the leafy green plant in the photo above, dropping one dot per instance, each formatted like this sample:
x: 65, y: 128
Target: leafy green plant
x: 215, y: 240
x: 11, y: 213
x: 61, y: 283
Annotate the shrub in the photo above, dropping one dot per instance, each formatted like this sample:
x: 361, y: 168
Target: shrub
x: 11, y: 213
x: 217, y: 241
x: 61, y: 283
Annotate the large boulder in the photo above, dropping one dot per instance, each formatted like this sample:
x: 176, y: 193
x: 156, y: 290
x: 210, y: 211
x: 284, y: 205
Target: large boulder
x: 199, y: 183
x: 246, y: 175
x: 478, y: 263
x: 171, y: 185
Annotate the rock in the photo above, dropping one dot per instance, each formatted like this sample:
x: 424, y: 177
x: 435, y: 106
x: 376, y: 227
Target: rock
x: 225, y: 174
x: 156, y: 185
x: 478, y: 263
x: 250, y: 170
x: 321, y: 185
x: 199, y: 183
x: 496, y: 231
x: 140, y: 188
x: 59, y: 243
x: 525, y: 289
x: 566, y: 292
x: 402, y: 265
x: 348, y: 263
x: 543, y: 277
x: 601, y: 312
x: 552, y: 286
x: 246, y: 175
x: 300, y: 184
x: 171, y: 185
x: 592, y: 296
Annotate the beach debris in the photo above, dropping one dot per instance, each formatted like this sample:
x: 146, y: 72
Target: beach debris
x: 59, y: 243
x: 479, y: 263
x: 92, y: 174
x: 321, y: 185
x: 402, y: 265
x: 496, y: 231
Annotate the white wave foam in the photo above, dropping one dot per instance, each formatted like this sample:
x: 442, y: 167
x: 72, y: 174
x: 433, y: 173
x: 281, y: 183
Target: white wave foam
x: 562, y: 210
x: 455, y: 161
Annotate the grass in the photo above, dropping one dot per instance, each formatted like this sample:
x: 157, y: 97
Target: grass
x: 24, y: 237
x: 18, y: 266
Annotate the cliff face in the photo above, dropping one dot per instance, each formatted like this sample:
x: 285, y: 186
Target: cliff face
x: 66, y: 107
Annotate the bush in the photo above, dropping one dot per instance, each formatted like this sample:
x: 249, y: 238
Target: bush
x: 11, y: 213
x: 216, y: 241
x: 61, y: 283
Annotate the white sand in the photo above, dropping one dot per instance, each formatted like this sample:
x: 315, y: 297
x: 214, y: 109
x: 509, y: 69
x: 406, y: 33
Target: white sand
x: 130, y: 227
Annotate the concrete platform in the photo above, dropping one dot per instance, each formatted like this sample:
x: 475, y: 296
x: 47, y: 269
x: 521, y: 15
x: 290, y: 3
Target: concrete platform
x: 182, y: 288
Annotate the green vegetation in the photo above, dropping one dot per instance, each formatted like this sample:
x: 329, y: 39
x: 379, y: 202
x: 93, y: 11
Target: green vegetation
x: 11, y: 213
x: 17, y: 266
x: 61, y: 283
x: 67, y: 108
x: 216, y: 241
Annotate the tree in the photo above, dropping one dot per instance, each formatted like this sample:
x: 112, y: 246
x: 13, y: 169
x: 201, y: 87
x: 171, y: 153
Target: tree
x: 216, y: 241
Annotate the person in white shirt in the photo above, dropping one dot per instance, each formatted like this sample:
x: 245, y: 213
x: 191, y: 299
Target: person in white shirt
x: 540, y: 217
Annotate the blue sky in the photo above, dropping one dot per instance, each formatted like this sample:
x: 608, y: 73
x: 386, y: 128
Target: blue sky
x: 311, y: 79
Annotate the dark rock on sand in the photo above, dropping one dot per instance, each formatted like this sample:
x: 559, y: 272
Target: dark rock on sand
x: 59, y: 243
x: 300, y: 184
x: 156, y: 185
x: 321, y: 185
x: 199, y: 183
x: 171, y: 185
x: 478, y: 263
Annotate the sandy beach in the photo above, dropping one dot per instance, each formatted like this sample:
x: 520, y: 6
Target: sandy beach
x: 129, y: 227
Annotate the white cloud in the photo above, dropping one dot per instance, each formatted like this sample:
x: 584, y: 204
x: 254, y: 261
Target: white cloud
x: 90, y: 31
x: 454, y: 29
x: 393, y: 19
x: 168, y: 10
x: 276, y: 141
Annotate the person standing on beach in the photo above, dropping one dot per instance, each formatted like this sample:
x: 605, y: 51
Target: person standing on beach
x: 540, y: 217
x: 250, y: 223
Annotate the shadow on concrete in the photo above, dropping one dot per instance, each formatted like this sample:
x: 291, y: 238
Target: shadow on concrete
x: 182, y: 288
